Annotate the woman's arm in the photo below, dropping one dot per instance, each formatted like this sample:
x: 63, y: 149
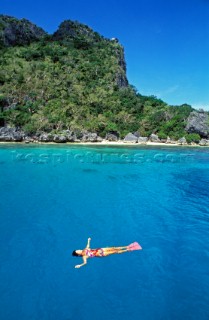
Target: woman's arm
x: 81, y: 265
x: 88, y: 243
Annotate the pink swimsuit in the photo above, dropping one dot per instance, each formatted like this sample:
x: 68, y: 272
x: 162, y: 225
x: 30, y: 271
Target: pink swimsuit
x: 91, y: 253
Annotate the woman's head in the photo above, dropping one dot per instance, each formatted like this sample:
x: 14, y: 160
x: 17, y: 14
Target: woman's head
x: 77, y: 253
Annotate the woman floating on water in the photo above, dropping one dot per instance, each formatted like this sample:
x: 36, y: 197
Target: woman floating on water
x: 102, y: 252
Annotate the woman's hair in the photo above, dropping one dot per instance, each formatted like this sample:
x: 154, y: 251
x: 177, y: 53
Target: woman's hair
x: 75, y: 254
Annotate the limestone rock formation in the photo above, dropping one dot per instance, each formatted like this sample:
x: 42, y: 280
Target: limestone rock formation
x: 204, y: 142
x: 11, y: 134
x: 198, y: 122
x: 182, y: 141
x: 142, y: 140
x: 111, y: 136
x: 14, y: 32
x: 154, y: 138
x: 130, y: 137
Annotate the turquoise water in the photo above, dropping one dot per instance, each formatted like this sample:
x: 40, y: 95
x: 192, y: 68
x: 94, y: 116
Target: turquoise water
x: 54, y: 197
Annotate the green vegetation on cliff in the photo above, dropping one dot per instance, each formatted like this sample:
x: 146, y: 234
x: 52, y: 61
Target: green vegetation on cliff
x: 75, y: 79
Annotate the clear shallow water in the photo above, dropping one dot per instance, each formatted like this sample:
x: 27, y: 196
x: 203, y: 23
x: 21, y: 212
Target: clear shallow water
x: 54, y: 197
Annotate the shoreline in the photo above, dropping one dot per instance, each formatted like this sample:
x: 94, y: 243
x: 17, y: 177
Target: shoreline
x: 15, y: 136
x: 105, y: 143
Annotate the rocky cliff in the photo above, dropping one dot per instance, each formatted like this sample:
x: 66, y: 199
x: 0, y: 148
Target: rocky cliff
x: 198, y: 122
x: 74, y: 30
x: 74, y: 33
x: 14, y: 32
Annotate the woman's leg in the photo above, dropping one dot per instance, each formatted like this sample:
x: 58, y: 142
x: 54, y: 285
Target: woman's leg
x: 113, y: 250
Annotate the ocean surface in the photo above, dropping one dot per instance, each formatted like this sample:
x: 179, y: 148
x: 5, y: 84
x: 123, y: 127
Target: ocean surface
x: 54, y: 197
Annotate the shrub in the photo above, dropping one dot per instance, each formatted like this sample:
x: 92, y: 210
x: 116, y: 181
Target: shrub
x: 192, y: 137
x: 162, y: 135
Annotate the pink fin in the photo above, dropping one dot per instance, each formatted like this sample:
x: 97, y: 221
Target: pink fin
x: 134, y: 246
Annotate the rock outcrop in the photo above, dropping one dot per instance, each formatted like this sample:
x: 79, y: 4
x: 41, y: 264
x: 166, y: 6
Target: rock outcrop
x: 198, y: 122
x: 14, y: 32
x: 142, y: 140
x: 8, y: 134
x: 74, y: 30
x: 130, y: 137
x: 89, y: 137
x: 121, y: 79
x: 112, y: 136
x: 204, y: 142
x: 11, y: 135
x: 45, y: 137
x: 182, y: 141
x: 137, y: 134
x: 60, y: 138
x: 154, y: 138
x: 170, y: 141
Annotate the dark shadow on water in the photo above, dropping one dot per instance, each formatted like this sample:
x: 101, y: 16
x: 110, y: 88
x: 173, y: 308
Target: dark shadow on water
x: 112, y: 177
x: 192, y: 187
x: 131, y: 176
x: 88, y: 170
x: 194, y: 182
